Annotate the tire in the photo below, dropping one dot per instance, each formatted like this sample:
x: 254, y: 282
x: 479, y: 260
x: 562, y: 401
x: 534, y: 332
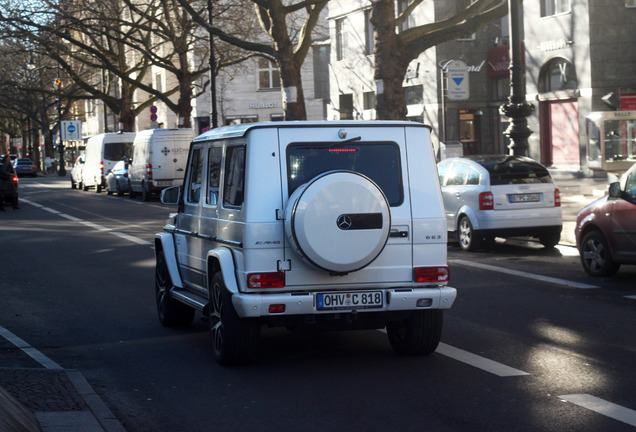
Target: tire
x: 73, y: 185
x: 550, y: 240
x: 466, y: 235
x: 120, y: 192
x: 417, y: 335
x: 172, y: 313
x: 596, y: 257
x: 234, y: 340
x: 83, y: 187
x: 98, y: 187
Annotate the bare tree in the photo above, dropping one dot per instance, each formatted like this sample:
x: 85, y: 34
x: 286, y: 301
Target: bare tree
x: 395, y: 50
x: 285, y: 40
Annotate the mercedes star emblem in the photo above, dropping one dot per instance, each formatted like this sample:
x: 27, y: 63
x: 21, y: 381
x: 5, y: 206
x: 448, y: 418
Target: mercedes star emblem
x: 344, y: 222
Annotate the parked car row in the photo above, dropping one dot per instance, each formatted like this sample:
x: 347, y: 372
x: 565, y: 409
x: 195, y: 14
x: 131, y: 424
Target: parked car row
x: 138, y: 164
x: 488, y: 196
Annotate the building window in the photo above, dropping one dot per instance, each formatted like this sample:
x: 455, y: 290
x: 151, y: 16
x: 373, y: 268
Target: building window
x: 321, y: 54
x: 414, y: 95
x: 346, y: 107
x: 369, y: 41
x: 268, y: 77
x: 410, y: 20
x: 368, y: 100
x: 500, y: 88
x: 158, y: 82
x: 233, y: 120
x: 342, y: 39
x: 554, y: 7
x: 558, y: 74
x: 277, y: 117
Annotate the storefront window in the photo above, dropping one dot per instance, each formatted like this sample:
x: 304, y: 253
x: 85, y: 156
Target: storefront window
x: 611, y: 139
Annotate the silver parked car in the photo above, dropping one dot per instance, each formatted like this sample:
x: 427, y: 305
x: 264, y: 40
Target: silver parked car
x: 488, y: 196
x: 117, y: 179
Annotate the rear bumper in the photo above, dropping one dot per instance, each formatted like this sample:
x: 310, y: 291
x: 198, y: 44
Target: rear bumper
x: 522, y: 232
x: 257, y: 305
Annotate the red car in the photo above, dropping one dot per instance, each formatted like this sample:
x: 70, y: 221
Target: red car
x: 606, y: 229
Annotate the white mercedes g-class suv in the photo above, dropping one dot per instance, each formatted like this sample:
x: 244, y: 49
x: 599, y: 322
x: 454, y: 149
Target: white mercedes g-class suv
x: 326, y: 225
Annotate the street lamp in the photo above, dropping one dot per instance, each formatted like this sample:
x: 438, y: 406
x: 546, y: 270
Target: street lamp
x: 517, y: 108
x: 60, y: 148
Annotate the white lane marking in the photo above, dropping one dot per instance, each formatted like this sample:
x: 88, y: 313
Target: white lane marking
x: 548, y: 279
x: 631, y: 297
x: 478, y: 361
x: 29, y: 350
x: 602, y: 406
x: 92, y: 225
x: 130, y: 238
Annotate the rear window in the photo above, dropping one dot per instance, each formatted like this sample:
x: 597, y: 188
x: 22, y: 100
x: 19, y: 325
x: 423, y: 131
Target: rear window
x: 117, y: 151
x: 378, y: 161
x: 516, y: 171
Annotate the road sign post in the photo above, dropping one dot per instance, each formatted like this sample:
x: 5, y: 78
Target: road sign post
x: 457, y: 80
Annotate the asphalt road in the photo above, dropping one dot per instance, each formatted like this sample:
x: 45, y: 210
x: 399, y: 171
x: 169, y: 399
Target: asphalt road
x: 531, y: 344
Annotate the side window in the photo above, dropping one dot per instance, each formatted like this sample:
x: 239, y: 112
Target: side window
x: 473, y: 177
x: 442, y: 169
x: 234, y: 179
x: 214, y: 174
x: 457, y: 176
x: 193, y: 191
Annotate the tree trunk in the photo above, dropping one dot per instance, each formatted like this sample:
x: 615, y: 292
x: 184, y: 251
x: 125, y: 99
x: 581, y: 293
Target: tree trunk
x: 391, y: 63
x: 292, y: 90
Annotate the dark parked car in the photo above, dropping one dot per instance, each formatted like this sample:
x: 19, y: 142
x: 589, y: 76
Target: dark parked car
x: 24, y: 166
x: 117, y: 179
x: 606, y: 229
x: 8, y: 193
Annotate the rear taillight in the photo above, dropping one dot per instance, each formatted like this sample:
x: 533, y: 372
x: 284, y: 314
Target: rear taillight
x: 101, y: 167
x: 431, y: 274
x: 149, y: 171
x: 557, y: 197
x: 126, y: 175
x: 266, y: 280
x: 486, y: 201
x: 15, y: 179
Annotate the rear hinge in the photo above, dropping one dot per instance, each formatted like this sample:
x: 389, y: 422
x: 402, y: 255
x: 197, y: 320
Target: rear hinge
x: 283, y: 265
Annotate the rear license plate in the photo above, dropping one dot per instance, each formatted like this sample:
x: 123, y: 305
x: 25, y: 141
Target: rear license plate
x: 164, y: 183
x: 349, y: 300
x: 529, y: 197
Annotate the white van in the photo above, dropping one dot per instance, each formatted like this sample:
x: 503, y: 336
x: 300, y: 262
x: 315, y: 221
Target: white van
x: 103, y: 151
x: 159, y: 160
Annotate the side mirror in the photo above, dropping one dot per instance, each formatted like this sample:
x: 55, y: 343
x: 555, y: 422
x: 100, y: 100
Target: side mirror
x: 615, y: 190
x: 171, y: 195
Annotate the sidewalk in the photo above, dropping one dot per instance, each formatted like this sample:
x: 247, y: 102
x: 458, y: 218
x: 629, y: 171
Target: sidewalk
x: 38, y: 395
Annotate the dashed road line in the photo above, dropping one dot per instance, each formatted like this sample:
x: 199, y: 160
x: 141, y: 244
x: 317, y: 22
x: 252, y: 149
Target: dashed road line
x: 603, y: 407
x: 92, y: 225
x: 556, y: 281
x: 631, y: 297
x: 474, y: 360
x: 29, y: 350
x: 479, y: 362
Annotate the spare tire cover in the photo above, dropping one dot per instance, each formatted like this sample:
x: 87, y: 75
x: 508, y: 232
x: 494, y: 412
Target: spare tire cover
x: 339, y: 221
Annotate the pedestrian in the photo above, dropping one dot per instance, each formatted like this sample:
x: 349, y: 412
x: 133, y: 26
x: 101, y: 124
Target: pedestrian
x: 7, y: 186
